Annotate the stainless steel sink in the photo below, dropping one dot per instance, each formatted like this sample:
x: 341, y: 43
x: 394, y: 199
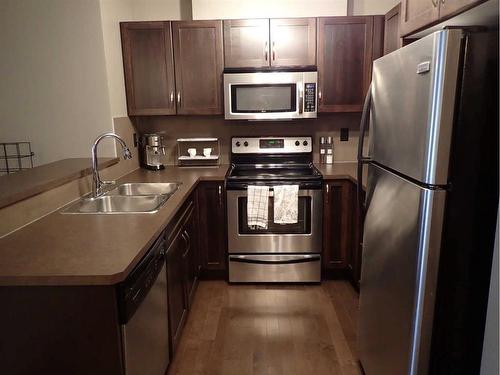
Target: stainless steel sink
x: 116, y: 204
x: 145, y: 188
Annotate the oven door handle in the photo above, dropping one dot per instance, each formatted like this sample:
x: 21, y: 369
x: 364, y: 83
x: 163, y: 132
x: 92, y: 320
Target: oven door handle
x: 258, y: 260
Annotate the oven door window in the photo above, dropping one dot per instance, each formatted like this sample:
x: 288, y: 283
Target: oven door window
x: 264, y: 98
x: 303, y: 225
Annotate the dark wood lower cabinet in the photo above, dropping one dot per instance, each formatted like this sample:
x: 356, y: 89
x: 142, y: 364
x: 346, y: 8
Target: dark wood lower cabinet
x: 212, y: 229
x: 177, y: 300
x: 342, y: 231
x: 336, y: 224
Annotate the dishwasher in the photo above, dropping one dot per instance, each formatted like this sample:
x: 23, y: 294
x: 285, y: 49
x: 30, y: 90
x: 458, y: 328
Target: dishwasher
x: 143, y: 311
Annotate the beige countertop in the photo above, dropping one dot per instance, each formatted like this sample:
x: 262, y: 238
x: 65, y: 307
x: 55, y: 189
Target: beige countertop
x: 82, y: 249
x: 27, y: 183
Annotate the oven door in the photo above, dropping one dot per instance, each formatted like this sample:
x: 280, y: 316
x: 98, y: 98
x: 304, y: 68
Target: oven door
x: 268, y: 96
x: 303, y: 237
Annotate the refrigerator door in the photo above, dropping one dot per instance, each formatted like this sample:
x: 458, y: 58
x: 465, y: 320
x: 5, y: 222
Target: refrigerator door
x: 413, y: 98
x: 401, y: 249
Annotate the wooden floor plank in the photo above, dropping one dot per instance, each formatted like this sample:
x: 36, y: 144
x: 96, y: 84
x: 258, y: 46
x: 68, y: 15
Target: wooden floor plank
x: 270, y: 329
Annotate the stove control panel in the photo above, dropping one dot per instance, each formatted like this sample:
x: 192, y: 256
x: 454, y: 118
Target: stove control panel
x: 271, y: 145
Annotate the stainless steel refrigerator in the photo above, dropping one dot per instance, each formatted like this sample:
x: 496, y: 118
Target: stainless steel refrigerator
x: 430, y: 206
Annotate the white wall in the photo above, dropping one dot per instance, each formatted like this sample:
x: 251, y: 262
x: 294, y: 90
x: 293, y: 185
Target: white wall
x: 370, y: 7
x: 53, y: 90
x: 217, y: 9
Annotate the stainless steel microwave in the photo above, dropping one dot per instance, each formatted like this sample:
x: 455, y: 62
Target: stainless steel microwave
x: 270, y: 95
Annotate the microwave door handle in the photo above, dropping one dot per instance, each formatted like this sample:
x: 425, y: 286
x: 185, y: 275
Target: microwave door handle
x: 301, y: 100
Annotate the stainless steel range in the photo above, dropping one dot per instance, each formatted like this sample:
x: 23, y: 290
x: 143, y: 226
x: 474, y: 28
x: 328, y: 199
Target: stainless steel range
x: 278, y: 252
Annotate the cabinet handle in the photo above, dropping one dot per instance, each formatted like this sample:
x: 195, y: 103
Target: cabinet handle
x: 435, y: 3
x: 274, y: 52
x: 179, y: 98
x: 220, y: 195
x: 171, y: 97
x: 320, y: 96
x: 327, y: 193
x: 265, y: 50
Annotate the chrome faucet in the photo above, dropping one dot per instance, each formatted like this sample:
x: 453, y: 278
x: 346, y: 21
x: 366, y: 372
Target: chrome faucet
x: 96, y: 180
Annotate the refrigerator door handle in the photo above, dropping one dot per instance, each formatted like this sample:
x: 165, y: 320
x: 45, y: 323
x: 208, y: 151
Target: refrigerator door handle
x: 365, y: 117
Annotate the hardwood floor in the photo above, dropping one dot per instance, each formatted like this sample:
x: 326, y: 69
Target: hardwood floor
x: 269, y: 329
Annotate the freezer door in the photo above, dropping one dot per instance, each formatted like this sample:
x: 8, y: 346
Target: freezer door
x: 401, y: 247
x: 413, y: 97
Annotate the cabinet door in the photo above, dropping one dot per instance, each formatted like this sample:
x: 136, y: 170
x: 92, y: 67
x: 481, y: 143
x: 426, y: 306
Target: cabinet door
x: 344, y: 62
x: 148, y: 67
x: 392, y: 37
x: 177, y: 303
x: 212, y: 226
x: 416, y: 14
x: 190, y: 257
x: 448, y: 8
x: 198, y: 66
x: 293, y: 41
x: 337, y: 229
x: 246, y: 43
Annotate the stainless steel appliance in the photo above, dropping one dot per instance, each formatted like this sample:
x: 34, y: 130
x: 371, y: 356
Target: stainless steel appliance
x: 431, y: 204
x: 153, y: 152
x: 143, y: 308
x: 270, y: 95
x: 282, y: 252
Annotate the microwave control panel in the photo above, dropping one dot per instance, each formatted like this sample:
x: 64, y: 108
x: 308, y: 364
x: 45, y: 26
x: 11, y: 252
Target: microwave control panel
x: 309, y: 97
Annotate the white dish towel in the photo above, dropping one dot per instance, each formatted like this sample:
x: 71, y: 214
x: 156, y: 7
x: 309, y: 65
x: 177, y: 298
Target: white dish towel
x: 257, y: 206
x: 286, y: 204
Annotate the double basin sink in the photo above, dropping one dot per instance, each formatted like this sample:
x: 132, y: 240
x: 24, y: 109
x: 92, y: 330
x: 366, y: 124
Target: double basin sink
x: 129, y: 198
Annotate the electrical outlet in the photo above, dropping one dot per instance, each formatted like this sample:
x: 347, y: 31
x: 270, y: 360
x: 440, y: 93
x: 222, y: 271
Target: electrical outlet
x: 344, y: 134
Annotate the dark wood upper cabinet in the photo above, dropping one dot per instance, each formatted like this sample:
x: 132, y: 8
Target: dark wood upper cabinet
x: 346, y: 49
x: 293, y: 41
x: 448, y: 8
x: 419, y: 14
x: 198, y: 66
x: 212, y: 224
x: 392, y: 37
x: 148, y: 67
x: 337, y: 224
x: 416, y: 14
x: 246, y: 43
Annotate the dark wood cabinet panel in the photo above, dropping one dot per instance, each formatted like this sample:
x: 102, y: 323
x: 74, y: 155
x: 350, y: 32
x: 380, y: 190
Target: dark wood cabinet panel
x: 419, y: 14
x: 190, y: 256
x: 415, y: 14
x: 345, y: 54
x: 246, y: 43
x: 337, y: 224
x: 355, y: 256
x: 198, y: 66
x: 448, y: 8
x: 212, y: 224
x: 177, y: 302
x: 392, y: 37
x: 293, y: 41
x: 148, y: 67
